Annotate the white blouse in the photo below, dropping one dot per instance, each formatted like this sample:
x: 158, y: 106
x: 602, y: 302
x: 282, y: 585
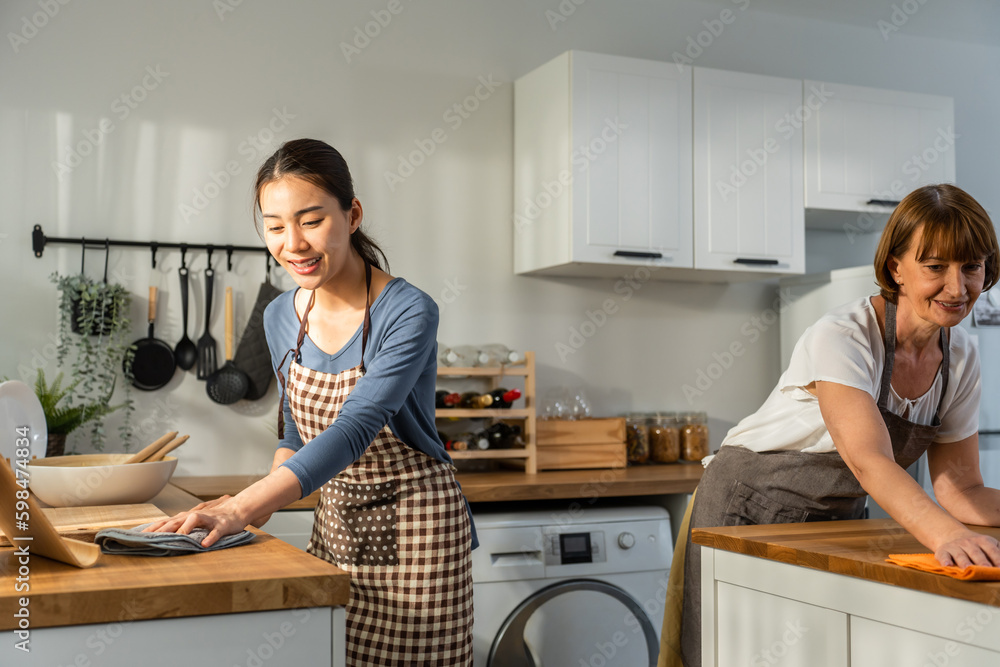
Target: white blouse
x: 845, y: 346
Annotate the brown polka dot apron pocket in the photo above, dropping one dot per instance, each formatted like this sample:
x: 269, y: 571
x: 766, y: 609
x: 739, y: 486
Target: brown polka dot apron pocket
x: 366, y: 526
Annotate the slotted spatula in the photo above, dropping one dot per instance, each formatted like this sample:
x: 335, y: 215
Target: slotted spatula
x: 206, y: 344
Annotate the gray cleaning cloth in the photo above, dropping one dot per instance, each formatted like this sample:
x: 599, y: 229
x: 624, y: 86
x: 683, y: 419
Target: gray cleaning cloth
x: 134, y: 542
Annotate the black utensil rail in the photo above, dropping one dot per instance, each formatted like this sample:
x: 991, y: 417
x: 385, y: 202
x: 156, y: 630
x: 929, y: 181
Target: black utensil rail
x: 39, y: 240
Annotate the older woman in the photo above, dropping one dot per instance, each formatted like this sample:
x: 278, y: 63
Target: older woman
x: 869, y: 388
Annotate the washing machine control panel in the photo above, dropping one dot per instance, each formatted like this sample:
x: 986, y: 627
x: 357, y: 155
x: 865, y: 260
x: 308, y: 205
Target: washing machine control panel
x: 566, y: 548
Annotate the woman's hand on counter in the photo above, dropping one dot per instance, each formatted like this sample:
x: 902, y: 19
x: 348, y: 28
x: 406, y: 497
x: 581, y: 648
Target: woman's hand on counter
x: 230, y: 515
x: 969, y: 549
x: 220, y: 517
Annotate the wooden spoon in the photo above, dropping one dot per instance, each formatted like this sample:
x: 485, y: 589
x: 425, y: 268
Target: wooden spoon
x: 151, y: 449
x: 171, y: 446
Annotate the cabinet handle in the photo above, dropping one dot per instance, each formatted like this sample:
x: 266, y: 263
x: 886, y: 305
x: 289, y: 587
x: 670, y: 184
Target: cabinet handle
x: 883, y: 202
x: 640, y: 255
x: 755, y: 262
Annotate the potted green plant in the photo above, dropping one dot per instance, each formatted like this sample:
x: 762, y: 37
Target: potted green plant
x: 101, y: 350
x: 62, y: 419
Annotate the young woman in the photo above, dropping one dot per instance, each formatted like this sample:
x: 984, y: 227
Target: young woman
x: 869, y: 388
x: 354, y: 350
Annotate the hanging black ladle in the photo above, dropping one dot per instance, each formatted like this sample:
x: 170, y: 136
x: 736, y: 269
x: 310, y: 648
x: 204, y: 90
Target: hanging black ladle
x: 186, y: 352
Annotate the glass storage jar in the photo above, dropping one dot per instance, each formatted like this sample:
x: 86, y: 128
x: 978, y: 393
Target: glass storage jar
x: 664, y: 438
x: 694, y: 436
x: 637, y: 438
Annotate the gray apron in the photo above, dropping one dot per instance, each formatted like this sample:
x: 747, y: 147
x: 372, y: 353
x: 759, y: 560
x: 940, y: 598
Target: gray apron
x: 742, y: 487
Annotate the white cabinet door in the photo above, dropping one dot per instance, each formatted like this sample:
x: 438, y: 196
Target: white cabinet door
x: 864, y: 144
x: 602, y: 156
x: 631, y: 154
x: 748, y: 175
x: 755, y: 628
x: 875, y: 644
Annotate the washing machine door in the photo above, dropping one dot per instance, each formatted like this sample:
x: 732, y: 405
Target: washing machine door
x: 576, y: 623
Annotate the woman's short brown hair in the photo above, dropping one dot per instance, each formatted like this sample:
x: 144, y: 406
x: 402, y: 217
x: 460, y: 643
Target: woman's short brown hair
x: 954, y: 225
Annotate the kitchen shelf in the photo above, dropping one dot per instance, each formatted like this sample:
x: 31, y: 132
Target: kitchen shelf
x: 526, y: 457
x: 465, y: 413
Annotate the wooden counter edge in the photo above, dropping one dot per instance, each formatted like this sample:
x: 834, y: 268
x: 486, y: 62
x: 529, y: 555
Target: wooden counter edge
x: 876, y: 570
x: 506, y: 486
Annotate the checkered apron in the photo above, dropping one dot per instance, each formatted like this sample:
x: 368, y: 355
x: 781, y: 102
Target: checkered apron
x: 397, y: 521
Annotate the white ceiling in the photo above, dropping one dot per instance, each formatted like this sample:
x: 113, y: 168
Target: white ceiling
x: 975, y: 21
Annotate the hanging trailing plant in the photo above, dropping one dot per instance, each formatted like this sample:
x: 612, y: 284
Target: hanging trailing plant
x: 94, y: 330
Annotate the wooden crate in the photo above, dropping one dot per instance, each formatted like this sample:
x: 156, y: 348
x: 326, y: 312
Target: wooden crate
x: 584, y: 443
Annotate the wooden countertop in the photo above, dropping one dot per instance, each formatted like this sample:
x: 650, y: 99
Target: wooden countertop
x: 510, y: 485
x: 852, y: 548
x: 265, y: 574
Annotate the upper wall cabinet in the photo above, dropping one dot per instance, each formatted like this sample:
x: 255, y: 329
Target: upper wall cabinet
x: 602, y: 154
x: 748, y: 180
x: 866, y: 148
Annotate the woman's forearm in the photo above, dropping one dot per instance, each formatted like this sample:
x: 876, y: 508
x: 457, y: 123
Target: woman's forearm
x: 268, y: 495
x: 907, y: 503
x: 978, y: 505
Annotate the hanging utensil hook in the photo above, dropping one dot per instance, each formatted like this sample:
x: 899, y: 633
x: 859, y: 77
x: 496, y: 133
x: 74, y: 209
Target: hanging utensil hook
x: 107, y: 254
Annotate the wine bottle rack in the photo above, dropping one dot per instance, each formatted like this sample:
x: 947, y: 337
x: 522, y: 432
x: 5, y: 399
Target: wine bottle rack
x: 493, y: 378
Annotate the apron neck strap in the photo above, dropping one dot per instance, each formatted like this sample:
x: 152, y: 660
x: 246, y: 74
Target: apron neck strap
x: 889, y: 342
x: 366, y: 327
x: 300, y: 338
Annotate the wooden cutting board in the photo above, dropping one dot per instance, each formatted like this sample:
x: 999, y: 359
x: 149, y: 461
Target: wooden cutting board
x: 83, y: 523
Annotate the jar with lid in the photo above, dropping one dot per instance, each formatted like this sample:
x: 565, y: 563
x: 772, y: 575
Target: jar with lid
x: 664, y: 438
x: 637, y: 438
x: 694, y: 436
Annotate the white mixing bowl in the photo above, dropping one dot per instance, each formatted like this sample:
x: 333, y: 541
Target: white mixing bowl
x: 97, y: 479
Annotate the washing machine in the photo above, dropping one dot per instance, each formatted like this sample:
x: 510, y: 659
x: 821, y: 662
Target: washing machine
x: 582, y: 588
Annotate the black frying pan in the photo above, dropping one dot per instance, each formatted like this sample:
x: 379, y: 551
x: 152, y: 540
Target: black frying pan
x: 153, y: 363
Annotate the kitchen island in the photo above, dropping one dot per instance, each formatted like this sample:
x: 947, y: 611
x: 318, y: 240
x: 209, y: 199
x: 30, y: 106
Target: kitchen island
x: 821, y: 594
x: 262, y: 603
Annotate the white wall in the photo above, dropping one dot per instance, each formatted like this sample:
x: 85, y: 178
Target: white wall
x: 448, y: 224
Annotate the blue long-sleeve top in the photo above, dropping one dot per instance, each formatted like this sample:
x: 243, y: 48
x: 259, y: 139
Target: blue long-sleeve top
x: 397, y: 388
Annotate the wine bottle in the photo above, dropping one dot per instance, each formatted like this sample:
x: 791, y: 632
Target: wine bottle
x: 456, y: 445
x: 474, y: 401
x: 503, y: 398
x: 467, y: 441
x: 444, y: 399
x: 497, y: 354
x: 504, y: 436
x: 478, y: 440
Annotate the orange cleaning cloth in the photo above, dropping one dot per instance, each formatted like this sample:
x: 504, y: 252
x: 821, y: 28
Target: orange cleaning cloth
x: 928, y: 563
